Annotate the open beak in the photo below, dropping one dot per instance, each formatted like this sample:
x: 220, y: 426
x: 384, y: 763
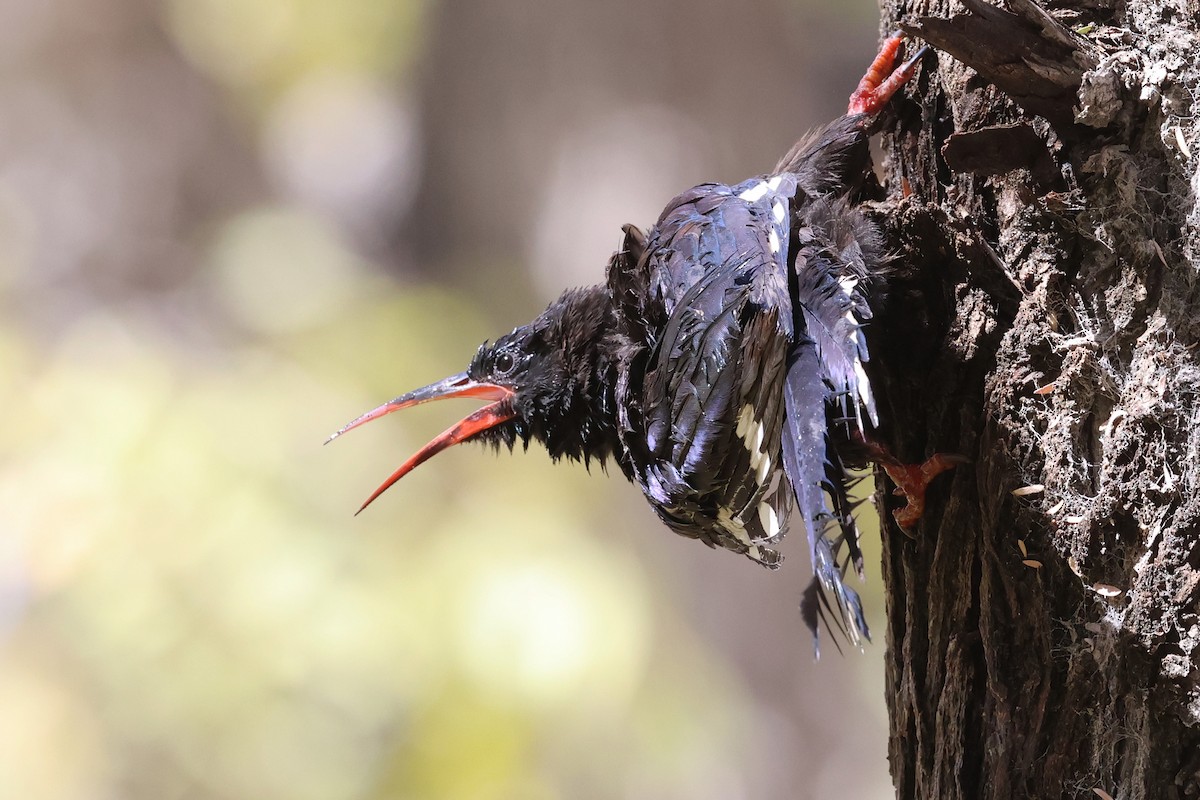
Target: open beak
x: 455, y: 386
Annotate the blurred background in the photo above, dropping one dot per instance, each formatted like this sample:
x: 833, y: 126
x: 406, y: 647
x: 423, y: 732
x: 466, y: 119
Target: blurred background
x: 228, y: 227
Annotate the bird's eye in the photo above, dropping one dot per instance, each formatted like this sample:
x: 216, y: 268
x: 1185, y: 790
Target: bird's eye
x: 505, y: 363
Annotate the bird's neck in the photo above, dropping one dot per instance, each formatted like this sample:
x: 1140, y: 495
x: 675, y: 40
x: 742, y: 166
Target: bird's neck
x: 581, y: 423
x: 586, y: 429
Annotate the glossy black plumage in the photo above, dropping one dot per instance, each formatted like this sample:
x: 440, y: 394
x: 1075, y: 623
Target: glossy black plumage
x: 741, y: 310
x: 720, y: 364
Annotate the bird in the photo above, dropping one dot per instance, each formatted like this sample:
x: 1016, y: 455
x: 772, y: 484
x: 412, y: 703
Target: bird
x: 720, y: 363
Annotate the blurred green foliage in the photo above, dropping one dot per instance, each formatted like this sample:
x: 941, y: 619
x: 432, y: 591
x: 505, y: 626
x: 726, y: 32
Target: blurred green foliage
x: 270, y: 44
x: 191, y: 604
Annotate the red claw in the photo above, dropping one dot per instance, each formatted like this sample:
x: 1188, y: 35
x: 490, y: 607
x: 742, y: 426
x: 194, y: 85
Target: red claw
x: 881, y: 82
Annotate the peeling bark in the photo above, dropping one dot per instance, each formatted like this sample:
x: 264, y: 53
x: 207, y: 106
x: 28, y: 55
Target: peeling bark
x: 1043, y: 321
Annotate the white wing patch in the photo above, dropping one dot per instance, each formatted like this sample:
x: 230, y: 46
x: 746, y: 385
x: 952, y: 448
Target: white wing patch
x: 762, y: 470
x: 769, y: 519
x: 745, y: 424
x: 756, y: 192
x: 752, y: 433
x: 730, y: 522
x: 778, y: 210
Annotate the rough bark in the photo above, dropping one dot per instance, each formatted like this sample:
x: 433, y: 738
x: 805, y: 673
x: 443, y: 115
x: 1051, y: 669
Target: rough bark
x: 1042, y: 321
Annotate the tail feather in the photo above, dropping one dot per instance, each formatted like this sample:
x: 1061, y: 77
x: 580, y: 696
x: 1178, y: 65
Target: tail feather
x: 807, y: 457
x: 816, y: 609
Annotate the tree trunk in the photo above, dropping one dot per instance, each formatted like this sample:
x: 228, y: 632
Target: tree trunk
x: 1043, y: 627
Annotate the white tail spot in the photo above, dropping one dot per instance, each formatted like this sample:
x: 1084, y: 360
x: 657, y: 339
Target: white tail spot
x: 864, y: 390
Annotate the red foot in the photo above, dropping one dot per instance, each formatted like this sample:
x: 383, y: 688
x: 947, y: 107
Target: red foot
x: 881, y: 82
x: 911, y: 481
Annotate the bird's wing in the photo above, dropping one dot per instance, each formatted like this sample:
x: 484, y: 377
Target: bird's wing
x: 712, y: 385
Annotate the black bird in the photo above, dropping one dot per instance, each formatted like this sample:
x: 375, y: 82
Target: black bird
x: 720, y: 364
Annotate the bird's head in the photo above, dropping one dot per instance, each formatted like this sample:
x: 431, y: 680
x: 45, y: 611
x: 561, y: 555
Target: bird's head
x: 549, y: 380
